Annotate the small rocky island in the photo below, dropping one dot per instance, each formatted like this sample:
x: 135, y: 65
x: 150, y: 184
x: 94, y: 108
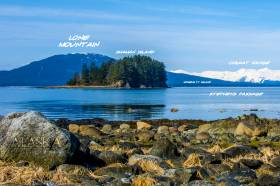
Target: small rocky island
x: 130, y: 72
x: 233, y: 151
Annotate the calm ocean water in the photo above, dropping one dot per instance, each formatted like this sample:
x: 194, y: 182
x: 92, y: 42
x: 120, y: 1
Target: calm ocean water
x: 118, y: 104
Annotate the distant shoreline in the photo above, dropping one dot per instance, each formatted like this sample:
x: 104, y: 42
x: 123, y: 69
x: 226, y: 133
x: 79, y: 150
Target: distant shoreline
x: 79, y: 86
x: 97, y: 87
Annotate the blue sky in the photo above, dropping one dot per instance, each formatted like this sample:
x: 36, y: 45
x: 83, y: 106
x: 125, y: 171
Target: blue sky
x: 193, y: 35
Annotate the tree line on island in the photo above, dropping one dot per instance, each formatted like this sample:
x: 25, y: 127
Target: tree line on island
x: 130, y: 72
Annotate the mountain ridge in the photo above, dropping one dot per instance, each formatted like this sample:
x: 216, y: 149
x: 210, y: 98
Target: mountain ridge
x: 56, y: 70
x: 242, y: 75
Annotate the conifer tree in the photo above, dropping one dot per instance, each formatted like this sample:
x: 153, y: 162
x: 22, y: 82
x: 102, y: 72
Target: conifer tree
x: 85, y: 75
x: 137, y: 71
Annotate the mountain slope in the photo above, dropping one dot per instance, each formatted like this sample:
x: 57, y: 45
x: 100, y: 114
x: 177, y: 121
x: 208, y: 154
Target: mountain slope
x: 55, y: 70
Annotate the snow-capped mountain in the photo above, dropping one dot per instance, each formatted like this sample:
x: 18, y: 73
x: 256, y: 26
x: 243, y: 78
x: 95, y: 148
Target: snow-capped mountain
x: 241, y: 75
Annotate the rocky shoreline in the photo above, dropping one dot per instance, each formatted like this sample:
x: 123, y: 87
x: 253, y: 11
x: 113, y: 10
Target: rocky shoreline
x: 234, y: 151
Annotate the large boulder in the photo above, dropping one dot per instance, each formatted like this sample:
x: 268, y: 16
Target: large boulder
x: 31, y: 137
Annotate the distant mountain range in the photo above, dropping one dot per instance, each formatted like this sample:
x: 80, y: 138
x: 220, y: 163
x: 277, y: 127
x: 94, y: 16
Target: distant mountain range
x: 58, y: 69
x: 54, y: 70
x: 242, y: 75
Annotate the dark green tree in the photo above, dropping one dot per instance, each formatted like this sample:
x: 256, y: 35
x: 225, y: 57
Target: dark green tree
x: 75, y: 80
x: 137, y: 71
x: 85, y: 75
x: 93, y: 71
x: 103, y: 72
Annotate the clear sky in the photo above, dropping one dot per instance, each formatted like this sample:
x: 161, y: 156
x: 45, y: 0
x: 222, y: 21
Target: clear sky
x: 193, y: 35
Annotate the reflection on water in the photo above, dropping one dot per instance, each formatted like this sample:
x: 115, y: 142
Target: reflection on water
x: 55, y: 109
x: 135, y: 104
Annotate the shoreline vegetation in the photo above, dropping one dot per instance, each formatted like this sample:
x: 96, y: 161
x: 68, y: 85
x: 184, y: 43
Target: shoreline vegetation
x: 98, y: 87
x: 233, y: 151
x: 130, y: 72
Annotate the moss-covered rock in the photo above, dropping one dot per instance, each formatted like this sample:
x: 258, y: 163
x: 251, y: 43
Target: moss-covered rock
x: 90, y: 131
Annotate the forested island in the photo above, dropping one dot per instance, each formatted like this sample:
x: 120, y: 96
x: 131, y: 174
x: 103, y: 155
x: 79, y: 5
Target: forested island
x: 130, y: 72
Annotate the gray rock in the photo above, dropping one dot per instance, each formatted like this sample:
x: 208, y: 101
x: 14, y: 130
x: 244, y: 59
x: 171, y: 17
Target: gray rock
x: 268, y: 180
x: 119, y: 182
x: 31, y: 137
x: 145, y: 136
x: 251, y: 163
x: 110, y: 157
x: 240, y: 176
x: 118, y: 171
x: 164, y: 148
x: 127, y: 145
x: 217, y: 169
x: 185, y: 176
x: 85, y: 156
x: 204, y: 155
x: 238, y: 150
x: 276, y: 161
